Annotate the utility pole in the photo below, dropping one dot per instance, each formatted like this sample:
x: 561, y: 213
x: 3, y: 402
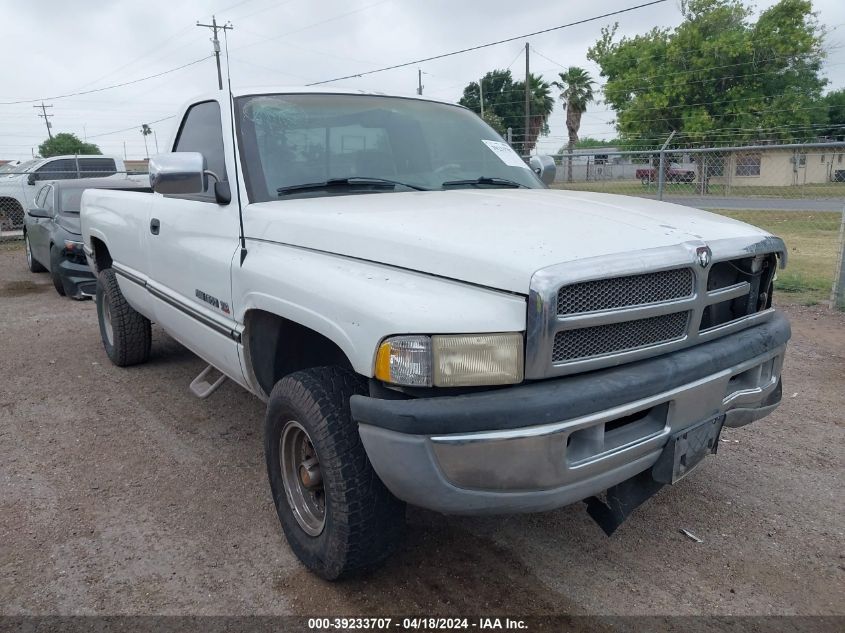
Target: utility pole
x: 213, y: 26
x: 419, y: 81
x: 46, y: 117
x: 481, y: 95
x: 527, y: 102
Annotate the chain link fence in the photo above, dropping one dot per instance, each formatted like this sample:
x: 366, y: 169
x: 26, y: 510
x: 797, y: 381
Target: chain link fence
x: 794, y: 191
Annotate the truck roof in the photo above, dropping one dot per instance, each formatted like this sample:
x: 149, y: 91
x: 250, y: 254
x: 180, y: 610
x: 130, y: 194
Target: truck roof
x: 240, y: 91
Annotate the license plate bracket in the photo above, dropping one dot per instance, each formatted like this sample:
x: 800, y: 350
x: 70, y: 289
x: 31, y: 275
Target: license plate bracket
x: 686, y: 449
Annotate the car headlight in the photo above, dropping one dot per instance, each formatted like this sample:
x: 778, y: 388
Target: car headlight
x: 460, y: 360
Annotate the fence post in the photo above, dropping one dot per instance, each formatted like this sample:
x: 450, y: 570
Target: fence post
x: 510, y: 136
x: 661, y: 176
x: 837, y: 296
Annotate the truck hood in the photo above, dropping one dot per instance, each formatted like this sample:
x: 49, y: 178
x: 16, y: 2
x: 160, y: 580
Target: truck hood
x: 495, y: 237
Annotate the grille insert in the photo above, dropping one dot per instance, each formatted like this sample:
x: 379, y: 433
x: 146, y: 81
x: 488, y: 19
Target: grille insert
x: 618, y: 337
x: 618, y: 292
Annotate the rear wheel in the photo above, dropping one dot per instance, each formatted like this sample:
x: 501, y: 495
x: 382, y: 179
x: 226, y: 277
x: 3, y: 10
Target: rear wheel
x: 55, y: 261
x: 337, y: 515
x: 31, y: 262
x: 126, y: 334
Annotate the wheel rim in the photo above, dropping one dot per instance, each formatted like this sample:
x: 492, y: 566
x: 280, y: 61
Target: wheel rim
x: 28, y: 251
x: 302, y: 478
x: 107, y: 326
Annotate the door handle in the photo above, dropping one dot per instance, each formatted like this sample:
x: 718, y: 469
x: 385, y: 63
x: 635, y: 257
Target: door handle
x: 155, y: 225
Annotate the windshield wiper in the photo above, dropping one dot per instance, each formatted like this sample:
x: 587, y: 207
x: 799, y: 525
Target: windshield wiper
x: 484, y: 180
x: 346, y: 182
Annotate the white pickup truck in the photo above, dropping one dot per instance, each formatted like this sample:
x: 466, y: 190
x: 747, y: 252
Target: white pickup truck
x: 427, y: 321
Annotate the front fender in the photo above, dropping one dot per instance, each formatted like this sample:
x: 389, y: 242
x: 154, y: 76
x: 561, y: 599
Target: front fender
x: 356, y: 304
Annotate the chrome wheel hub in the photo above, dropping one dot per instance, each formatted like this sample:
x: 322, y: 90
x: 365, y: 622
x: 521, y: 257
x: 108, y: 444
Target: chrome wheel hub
x: 302, y: 478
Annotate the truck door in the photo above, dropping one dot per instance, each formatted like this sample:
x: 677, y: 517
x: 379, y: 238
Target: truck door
x: 192, y: 242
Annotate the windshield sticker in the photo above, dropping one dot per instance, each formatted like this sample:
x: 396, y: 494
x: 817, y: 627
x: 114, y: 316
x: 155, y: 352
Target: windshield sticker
x: 505, y: 153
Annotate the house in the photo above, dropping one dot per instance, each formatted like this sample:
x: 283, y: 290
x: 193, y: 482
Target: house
x: 777, y: 167
x: 138, y: 166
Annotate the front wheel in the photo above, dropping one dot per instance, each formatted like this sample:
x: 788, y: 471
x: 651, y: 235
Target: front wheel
x: 336, y: 513
x: 126, y: 334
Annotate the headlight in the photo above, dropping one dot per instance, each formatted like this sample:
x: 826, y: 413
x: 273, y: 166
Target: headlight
x: 462, y: 360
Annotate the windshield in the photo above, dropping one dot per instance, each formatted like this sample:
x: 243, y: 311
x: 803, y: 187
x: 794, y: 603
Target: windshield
x: 307, y: 145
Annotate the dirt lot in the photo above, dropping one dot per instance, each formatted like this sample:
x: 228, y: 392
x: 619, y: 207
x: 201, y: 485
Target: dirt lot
x: 121, y: 493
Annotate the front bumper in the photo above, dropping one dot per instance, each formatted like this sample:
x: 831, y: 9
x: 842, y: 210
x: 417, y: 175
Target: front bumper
x: 78, y: 280
x: 547, y: 444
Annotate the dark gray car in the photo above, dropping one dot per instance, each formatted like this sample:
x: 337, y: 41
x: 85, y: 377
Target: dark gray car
x: 53, y: 236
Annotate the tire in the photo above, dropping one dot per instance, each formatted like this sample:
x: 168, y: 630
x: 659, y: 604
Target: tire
x: 32, y: 263
x: 55, y: 260
x: 362, y: 522
x: 126, y: 334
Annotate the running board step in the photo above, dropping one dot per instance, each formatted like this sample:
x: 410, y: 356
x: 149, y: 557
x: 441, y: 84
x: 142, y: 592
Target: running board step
x: 202, y: 387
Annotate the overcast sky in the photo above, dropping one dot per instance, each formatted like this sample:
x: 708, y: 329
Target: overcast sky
x: 54, y: 47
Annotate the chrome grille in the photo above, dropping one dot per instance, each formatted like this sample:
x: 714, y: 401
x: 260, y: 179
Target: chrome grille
x: 609, y: 338
x: 653, y: 302
x: 618, y: 292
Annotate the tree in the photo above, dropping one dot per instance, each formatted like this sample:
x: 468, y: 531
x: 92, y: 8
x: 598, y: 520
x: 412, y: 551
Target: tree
x: 718, y: 77
x: 541, y: 105
x: 505, y: 98
x: 66, y: 143
x: 146, y: 130
x: 588, y: 142
x: 495, y: 121
x: 576, y: 88
x: 833, y: 105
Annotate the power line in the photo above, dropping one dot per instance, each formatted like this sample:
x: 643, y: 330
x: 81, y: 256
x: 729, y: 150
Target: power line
x: 480, y: 46
x: 308, y: 26
x: 127, y: 129
x: 156, y: 49
x: 125, y: 83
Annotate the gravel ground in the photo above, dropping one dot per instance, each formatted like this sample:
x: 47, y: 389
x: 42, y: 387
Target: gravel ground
x: 121, y: 493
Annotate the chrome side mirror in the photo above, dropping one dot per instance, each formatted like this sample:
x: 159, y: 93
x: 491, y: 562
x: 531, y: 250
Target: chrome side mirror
x: 36, y: 212
x: 178, y: 173
x: 544, y: 167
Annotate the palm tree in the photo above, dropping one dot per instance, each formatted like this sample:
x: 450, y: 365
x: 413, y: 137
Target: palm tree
x: 542, y: 104
x: 146, y: 130
x: 576, y: 88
